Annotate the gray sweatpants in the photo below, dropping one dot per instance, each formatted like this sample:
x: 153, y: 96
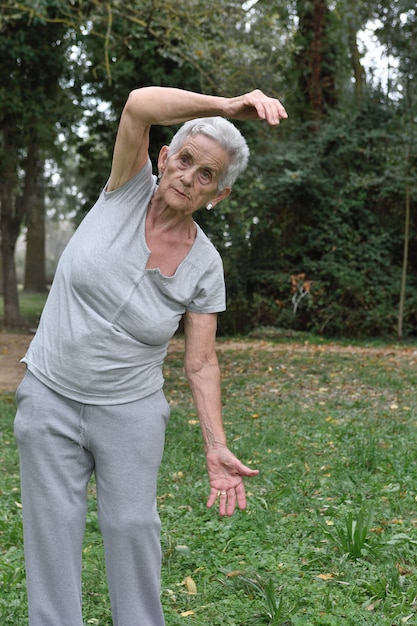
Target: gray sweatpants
x: 61, y: 443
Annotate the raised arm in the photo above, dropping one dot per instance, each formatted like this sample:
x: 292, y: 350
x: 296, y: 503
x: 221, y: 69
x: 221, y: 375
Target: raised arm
x: 225, y: 471
x: 166, y: 106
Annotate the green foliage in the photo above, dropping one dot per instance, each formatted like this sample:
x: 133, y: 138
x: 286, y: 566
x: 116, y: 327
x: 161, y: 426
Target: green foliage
x: 323, y: 243
x: 313, y: 236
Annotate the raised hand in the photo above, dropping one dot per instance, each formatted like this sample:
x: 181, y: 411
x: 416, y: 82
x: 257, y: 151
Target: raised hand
x: 256, y: 105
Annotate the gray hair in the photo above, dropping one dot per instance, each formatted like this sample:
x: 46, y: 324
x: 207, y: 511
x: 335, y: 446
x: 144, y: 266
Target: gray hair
x: 226, y: 135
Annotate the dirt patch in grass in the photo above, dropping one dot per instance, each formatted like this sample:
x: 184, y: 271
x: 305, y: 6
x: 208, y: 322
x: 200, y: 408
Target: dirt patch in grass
x: 13, y: 347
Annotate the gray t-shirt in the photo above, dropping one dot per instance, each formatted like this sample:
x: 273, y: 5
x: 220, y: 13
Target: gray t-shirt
x: 105, y: 328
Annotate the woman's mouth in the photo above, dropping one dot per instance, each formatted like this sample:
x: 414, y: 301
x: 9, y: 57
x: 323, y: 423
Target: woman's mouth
x: 181, y: 193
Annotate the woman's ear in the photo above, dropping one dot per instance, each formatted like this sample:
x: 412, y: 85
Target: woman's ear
x: 221, y: 196
x: 162, y: 159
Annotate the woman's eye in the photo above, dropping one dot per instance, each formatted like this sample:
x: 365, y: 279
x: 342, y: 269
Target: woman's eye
x: 205, y: 175
x: 184, y: 160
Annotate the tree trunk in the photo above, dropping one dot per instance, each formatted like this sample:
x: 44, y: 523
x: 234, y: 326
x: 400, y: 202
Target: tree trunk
x: 355, y: 61
x: 405, y: 263
x: 9, y: 228
x: 409, y: 161
x: 35, y: 281
x: 316, y: 58
x: 1, y: 268
x: 13, y: 208
x: 9, y: 234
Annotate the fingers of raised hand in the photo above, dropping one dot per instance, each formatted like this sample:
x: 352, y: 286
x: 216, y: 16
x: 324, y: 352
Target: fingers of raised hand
x: 272, y: 111
x: 269, y: 109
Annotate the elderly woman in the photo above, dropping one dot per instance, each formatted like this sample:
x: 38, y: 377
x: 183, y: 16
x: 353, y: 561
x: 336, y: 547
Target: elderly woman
x: 92, y: 399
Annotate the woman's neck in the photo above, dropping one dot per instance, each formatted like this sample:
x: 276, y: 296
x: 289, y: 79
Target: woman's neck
x: 162, y: 218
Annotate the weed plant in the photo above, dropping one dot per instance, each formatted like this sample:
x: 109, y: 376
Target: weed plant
x: 351, y: 537
x: 329, y: 535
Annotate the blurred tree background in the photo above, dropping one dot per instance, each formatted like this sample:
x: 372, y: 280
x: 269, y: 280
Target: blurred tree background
x: 319, y: 234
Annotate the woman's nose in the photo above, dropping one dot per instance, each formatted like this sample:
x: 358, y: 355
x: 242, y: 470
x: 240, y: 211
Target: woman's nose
x: 188, y: 176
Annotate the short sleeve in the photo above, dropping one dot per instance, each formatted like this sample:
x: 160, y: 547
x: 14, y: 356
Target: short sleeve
x: 210, y: 293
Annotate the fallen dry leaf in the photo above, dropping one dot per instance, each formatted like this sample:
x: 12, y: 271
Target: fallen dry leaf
x: 190, y: 585
x: 236, y: 572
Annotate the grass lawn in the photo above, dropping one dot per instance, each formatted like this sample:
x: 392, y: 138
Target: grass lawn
x: 330, y: 533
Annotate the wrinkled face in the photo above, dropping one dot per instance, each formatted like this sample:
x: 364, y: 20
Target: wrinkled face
x: 190, y: 177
